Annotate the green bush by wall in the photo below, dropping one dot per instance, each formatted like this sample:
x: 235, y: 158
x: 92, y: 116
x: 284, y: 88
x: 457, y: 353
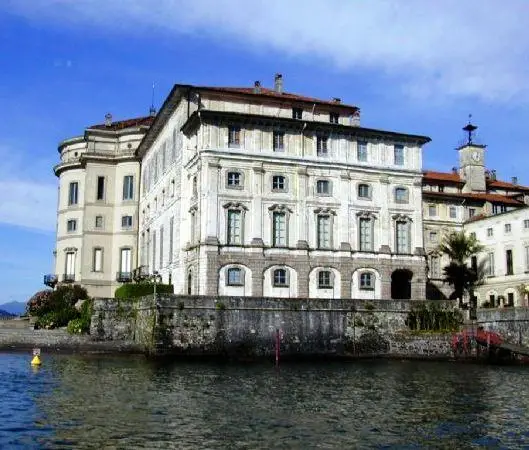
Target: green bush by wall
x: 133, y: 290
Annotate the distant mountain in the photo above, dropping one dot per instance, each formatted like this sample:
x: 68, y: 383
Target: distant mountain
x: 15, y: 308
x: 5, y: 314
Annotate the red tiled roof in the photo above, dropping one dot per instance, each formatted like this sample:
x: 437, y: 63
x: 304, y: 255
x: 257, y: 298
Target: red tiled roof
x: 265, y: 92
x: 122, y: 124
x: 450, y: 177
x: 498, y: 184
x: 485, y: 197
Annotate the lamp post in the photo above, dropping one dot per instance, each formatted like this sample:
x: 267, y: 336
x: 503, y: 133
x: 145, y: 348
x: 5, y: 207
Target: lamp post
x: 155, y: 278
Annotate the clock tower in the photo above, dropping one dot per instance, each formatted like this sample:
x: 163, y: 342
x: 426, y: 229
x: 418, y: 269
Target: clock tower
x: 472, y: 163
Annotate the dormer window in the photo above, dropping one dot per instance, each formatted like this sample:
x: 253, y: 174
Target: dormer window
x: 234, y: 136
x: 334, y: 117
x: 297, y: 113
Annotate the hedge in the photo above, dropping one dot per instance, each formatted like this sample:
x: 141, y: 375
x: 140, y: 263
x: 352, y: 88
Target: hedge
x: 133, y: 290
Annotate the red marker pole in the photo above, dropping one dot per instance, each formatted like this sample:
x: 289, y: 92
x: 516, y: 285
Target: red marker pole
x: 277, y: 347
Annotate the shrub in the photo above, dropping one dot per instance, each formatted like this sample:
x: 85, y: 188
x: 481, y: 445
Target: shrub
x: 433, y: 318
x: 134, y: 290
x: 78, y: 326
x: 40, y: 303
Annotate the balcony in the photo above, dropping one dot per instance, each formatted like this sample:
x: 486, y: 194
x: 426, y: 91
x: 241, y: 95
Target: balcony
x: 50, y: 280
x: 140, y: 273
x: 124, y: 277
x: 68, y: 278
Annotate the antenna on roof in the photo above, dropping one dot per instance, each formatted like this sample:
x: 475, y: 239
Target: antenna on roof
x: 152, y: 109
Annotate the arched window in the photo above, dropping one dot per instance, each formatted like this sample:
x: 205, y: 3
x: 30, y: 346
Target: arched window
x: 364, y: 191
x: 189, y: 282
x: 235, y: 276
x: 280, y: 278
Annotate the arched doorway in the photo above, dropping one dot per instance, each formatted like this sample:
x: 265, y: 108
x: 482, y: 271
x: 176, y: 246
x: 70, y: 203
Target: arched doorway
x: 401, y: 284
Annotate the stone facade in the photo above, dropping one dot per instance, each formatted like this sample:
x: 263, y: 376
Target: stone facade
x: 97, y: 216
x: 256, y: 192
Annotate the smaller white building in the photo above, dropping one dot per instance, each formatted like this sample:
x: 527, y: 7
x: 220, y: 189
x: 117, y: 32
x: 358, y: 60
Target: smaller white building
x: 505, y: 257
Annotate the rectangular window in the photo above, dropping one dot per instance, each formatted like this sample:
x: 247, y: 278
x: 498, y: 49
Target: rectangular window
x: 453, y: 212
x: 235, y: 277
x: 98, y: 260
x: 510, y: 299
x: 154, y: 250
x: 280, y: 278
x: 490, y: 264
x: 279, y: 139
x: 99, y: 222
x: 526, y: 224
x: 324, y: 279
x: 490, y: 232
x: 192, y: 231
x: 297, y: 113
x: 474, y: 263
x: 321, y: 145
x: 126, y: 221
x: 434, y: 266
x: 234, y: 179
x: 401, y: 195
x: 364, y: 191
x: 366, y: 281
x: 125, y: 263
x: 234, y: 137
x: 507, y: 227
x: 234, y: 227
x: 171, y: 232
x: 432, y: 210
x: 71, y: 225
x: 361, y: 151
x: 324, y: 231
x: 433, y: 236
x: 323, y: 187
x: 334, y: 117
x: 402, y: 237
x: 441, y: 188
x: 73, y: 193
x: 278, y: 183
x: 473, y: 235
x: 508, y: 261
x: 398, y: 153
x: 69, y: 271
x: 471, y: 212
x: 128, y: 187
x: 279, y: 229
x: 161, y: 247
x: 100, y: 195
x: 366, y: 235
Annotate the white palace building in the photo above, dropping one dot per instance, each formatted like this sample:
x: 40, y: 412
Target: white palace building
x: 256, y: 192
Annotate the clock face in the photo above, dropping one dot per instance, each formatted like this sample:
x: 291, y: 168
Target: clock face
x: 475, y: 156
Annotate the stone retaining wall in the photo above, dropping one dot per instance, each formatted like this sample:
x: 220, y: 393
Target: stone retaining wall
x: 244, y: 327
x: 511, y: 323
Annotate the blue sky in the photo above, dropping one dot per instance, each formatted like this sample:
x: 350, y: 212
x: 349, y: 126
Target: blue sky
x: 411, y: 66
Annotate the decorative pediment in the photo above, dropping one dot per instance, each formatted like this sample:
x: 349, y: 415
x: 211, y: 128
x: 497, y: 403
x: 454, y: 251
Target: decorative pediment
x: 366, y: 215
x: 401, y: 218
x: 233, y: 205
x: 280, y: 208
x: 324, y: 212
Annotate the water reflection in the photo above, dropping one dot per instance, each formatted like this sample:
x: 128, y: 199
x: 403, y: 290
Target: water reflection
x: 134, y: 403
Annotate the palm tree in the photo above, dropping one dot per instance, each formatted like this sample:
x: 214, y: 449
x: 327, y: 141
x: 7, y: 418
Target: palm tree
x: 460, y: 247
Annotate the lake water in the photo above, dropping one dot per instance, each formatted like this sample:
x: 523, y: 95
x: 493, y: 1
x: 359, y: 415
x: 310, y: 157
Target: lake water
x: 129, y: 402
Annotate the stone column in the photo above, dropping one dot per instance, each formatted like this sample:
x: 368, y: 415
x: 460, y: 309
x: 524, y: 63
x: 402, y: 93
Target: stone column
x: 257, y: 206
x: 209, y: 191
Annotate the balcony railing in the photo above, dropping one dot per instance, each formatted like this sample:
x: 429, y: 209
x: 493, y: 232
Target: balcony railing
x: 68, y: 278
x: 140, y: 273
x: 50, y: 280
x: 124, y: 277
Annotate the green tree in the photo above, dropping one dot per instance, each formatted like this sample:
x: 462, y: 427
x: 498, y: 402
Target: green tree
x: 460, y: 247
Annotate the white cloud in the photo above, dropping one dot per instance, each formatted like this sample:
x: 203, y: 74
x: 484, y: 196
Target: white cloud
x: 28, y: 198
x: 453, y: 47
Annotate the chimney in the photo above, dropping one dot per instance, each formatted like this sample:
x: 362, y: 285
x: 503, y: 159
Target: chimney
x: 337, y: 100
x: 278, y: 83
x: 454, y: 170
x: 514, y: 180
x: 257, y: 87
x: 493, y: 175
x: 108, y: 119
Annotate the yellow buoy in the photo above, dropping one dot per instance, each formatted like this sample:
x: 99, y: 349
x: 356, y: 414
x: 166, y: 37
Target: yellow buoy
x: 36, y: 361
